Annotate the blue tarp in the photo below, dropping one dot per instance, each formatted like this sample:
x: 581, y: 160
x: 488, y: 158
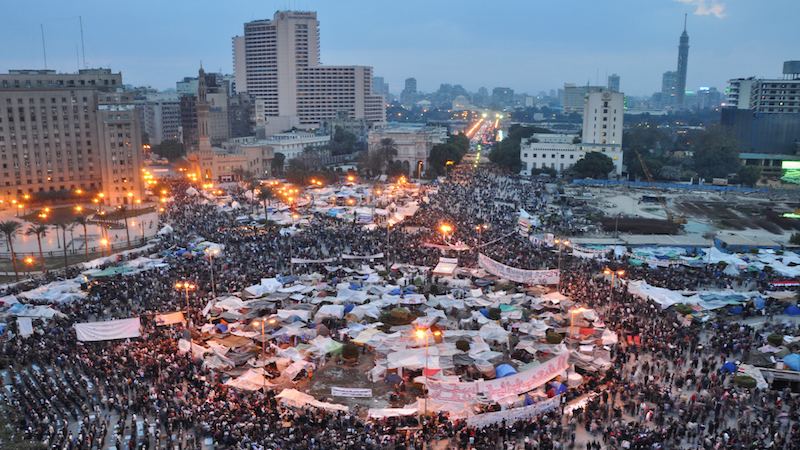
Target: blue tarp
x: 393, y: 379
x: 792, y: 311
x: 485, y: 312
x: 353, y: 287
x: 504, y: 370
x: 728, y: 367
x: 735, y: 310
x: 792, y: 361
x: 221, y: 327
x: 528, y: 400
x: 349, y: 308
x: 395, y: 292
x: 759, y: 302
x: 480, y: 282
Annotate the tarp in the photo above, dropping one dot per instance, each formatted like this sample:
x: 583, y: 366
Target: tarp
x: 792, y: 311
x: 252, y: 380
x: 106, y: 331
x: 728, y: 367
x: 25, y: 326
x: 792, y: 361
x: 504, y: 370
x: 446, y: 267
x: 293, y: 397
x: 518, y: 275
x: 170, y: 318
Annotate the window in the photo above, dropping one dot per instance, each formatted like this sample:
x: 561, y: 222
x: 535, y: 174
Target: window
x: 524, y: 155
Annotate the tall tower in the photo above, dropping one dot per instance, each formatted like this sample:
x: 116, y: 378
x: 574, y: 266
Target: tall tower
x: 203, y: 108
x: 683, y: 61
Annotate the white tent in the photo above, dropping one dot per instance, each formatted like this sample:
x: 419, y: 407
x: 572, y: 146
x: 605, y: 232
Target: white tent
x: 293, y: 397
x: 446, y: 267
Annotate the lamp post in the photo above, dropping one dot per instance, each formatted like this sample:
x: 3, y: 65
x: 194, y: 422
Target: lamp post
x: 419, y: 170
x: 560, y: 244
x: 256, y: 323
x: 291, y: 242
x: 211, y: 254
x: 480, y: 229
x: 611, y: 290
x: 421, y: 334
x: 29, y: 260
x: 572, y: 322
x: 389, y: 245
x: 186, y: 286
x: 445, y: 229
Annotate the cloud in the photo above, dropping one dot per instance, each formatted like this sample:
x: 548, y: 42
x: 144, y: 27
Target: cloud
x: 707, y: 7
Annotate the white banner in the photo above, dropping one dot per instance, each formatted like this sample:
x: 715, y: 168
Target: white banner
x: 312, y: 261
x: 350, y: 392
x: 514, y: 414
x: 25, y: 326
x: 169, y: 318
x: 501, y: 387
x: 518, y: 275
x: 375, y: 256
x: 106, y: 331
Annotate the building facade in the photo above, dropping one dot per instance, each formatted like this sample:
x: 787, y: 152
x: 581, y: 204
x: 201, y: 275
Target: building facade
x: 160, y: 117
x: 64, y: 132
x: 413, y: 143
x: 280, y: 60
x: 613, y: 82
x: 573, y: 97
x: 669, y: 88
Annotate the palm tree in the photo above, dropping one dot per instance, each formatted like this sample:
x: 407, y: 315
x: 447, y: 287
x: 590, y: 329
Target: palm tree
x: 10, y: 228
x: 83, y: 221
x: 63, y: 226
x: 387, y: 150
x: 39, y: 230
x: 266, y: 195
x: 124, y: 211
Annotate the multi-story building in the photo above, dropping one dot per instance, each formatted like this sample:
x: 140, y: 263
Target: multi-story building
x: 409, y: 94
x: 602, y: 132
x: 380, y: 87
x: 668, y: 88
x: 613, y: 82
x: 413, y: 144
x: 64, y: 132
x: 278, y: 61
x: 502, y: 96
x: 764, y: 114
x: 160, y: 116
x: 683, y: 61
x: 573, y: 97
x: 708, y: 98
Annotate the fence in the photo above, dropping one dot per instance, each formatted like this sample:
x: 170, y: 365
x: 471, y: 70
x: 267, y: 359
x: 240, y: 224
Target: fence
x: 58, y: 254
x: 705, y: 187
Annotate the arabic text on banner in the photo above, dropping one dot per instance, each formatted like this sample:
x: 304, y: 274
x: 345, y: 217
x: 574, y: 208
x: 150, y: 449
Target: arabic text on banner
x: 518, y: 275
x: 350, y: 392
x: 501, y: 387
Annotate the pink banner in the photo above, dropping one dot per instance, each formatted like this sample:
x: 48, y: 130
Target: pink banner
x: 500, y: 387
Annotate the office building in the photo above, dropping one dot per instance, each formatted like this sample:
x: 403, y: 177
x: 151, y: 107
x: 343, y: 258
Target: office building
x: 708, y: 98
x: 764, y: 114
x: 573, y: 97
x: 683, y: 61
x: 613, y: 82
x: 160, y: 117
x: 409, y: 94
x: 64, y: 132
x: 380, y: 87
x: 668, y: 88
x: 278, y: 61
x: 413, y: 143
x: 502, y: 96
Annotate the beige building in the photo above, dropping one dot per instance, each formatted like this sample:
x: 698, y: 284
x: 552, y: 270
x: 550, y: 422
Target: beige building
x: 64, y: 132
x: 278, y: 61
x: 413, y: 143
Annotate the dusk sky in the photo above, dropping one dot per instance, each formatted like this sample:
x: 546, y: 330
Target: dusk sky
x: 528, y: 45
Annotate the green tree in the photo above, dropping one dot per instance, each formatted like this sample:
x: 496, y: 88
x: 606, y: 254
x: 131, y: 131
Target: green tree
x: 11, y: 436
x: 387, y: 150
x: 440, y: 155
x: 169, y: 149
x: 277, y: 163
x: 266, y: 195
x: 63, y: 226
x: 795, y: 239
x: 39, y: 230
x: 343, y: 142
x: 83, y: 221
x: 749, y: 175
x: 10, y: 228
x: 716, y: 152
x: 460, y: 141
x: 594, y: 165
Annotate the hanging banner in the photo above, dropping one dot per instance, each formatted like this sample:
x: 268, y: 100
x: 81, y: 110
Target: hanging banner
x: 509, y: 416
x: 501, y: 387
x: 518, y: 275
x: 455, y: 247
x: 109, y: 330
x: 375, y: 256
x: 312, y: 261
x: 350, y: 392
x: 170, y: 318
x: 524, y: 225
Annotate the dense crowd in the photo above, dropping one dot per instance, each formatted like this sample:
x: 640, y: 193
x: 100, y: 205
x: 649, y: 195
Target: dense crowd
x: 666, y: 393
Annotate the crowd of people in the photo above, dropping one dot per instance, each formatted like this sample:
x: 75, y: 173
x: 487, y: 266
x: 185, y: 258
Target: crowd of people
x: 666, y: 393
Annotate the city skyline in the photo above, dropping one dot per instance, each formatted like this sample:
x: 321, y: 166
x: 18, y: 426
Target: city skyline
x: 535, y: 49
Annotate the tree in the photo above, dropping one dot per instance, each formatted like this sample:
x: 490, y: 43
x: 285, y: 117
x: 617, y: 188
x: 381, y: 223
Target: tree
x: 63, y: 226
x: 716, y: 152
x: 594, y: 165
x: 265, y: 194
x: 10, y: 228
x: 440, y: 155
x: 83, y: 221
x: 387, y: 150
x: 39, y: 230
x: 795, y: 239
x: 343, y: 142
x: 749, y: 175
x: 277, y: 163
x: 370, y: 162
x: 670, y: 173
x: 460, y: 141
x: 123, y: 210
x: 169, y: 149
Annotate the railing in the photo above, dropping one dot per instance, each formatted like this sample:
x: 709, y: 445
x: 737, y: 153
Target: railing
x: 58, y: 254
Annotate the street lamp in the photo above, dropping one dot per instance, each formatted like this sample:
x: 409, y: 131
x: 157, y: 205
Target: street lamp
x: 572, y: 322
x: 445, y: 229
x: 611, y: 290
x: 29, y: 260
x: 560, y: 244
x: 291, y: 243
x: 186, y: 286
x: 421, y: 334
x: 211, y: 254
x: 480, y: 229
x: 419, y: 170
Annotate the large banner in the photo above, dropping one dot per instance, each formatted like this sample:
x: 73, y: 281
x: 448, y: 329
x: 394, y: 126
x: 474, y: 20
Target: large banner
x: 350, y: 392
x: 106, y: 331
x: 514, y: 414
x: 375, y: 256
x: 169, y: 318
x: 312, y: 261
x: 518, y: 275
x: 502, y: 387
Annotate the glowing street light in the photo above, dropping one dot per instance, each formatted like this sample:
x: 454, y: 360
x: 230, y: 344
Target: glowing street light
x: 421, y: 334
x: 186, y: 286
x: 611, y: 290
x: 445, y: 229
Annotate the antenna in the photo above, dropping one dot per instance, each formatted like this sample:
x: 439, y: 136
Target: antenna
x: 44, y: 50
x: 685, y: 16
x: 83, y: 49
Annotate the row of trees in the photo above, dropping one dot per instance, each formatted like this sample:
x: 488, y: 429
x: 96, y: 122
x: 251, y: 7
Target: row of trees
x: 452, y: 151
x: 506, y: 152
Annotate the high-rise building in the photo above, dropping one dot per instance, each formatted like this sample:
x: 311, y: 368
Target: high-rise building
x: 573, y: 97
x: 502, y: 96
x: 683, y: 61
x: 668, y: 88
x: 160, y: 116
x: 278, y: 61
x: 380, y: 87
x: 65, y: 132
x: 409, y: 94
x: 613, y: 82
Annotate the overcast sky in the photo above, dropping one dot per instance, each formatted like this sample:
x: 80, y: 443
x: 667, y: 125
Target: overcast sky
x: 528, y: 45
